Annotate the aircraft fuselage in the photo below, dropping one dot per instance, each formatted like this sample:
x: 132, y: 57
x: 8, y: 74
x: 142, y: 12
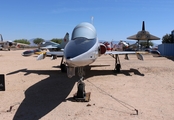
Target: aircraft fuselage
x: 84, y: 47
x: 81, y: 52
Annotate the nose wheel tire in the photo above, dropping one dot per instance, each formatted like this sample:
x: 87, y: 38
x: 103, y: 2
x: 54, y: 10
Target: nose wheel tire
x: 63, y: 68
x: 81, y: 90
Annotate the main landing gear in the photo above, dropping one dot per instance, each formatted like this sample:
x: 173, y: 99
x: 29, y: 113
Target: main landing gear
x: 117, y: 63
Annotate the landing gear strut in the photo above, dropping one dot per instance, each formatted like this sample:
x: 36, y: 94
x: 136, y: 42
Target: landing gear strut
x: 117, y: 63
x: 81, y: 89
x: 63, y: 66
x: 81, y: 95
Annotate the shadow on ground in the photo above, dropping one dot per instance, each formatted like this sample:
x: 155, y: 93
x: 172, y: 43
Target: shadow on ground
x: 45, y: 95
x: 170, y: 58
x: 113, y: 72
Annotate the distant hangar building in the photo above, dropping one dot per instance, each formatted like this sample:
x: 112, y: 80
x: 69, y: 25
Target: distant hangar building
x: 167, y: 49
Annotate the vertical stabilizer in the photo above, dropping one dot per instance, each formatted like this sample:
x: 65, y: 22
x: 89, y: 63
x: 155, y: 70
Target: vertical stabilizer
x: 64, y: 41
x: 1, y: 38
x: 143, y: 35
x: 143, y: 26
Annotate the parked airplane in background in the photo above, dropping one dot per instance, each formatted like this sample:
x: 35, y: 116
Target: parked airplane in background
x: 6, y: 45
x: 143, y: 35
x: 121, y: 46
x: 82, y: 50
x: 52, y: 46
x: 31, y: 52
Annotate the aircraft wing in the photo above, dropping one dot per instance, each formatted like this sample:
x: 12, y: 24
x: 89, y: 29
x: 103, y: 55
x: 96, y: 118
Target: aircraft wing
x: 143, y: 37
x: 133, y: 37
x: 120, y: 52
x: 55, y: 53
x: 153, y: 37
x: 48, y: 47
x: 21, y: 44
x: 139, y: 56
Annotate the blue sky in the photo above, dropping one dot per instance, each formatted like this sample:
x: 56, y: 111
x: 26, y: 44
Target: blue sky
x: 113, y: 19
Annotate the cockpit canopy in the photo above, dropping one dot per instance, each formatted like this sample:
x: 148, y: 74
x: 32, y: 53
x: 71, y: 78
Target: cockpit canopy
x: 85, y: 30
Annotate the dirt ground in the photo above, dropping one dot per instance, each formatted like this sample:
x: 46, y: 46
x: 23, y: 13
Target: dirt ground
x: 143, y: 90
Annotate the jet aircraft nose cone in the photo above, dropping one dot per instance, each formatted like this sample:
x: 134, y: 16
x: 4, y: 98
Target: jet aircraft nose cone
x: 70, y: 62
x: 68, y: 58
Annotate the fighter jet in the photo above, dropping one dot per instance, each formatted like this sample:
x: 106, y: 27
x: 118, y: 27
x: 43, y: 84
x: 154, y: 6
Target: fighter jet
x: 143, y: 35
x: 82, y: 50
x: 52, y: 46
x: 6, y: 45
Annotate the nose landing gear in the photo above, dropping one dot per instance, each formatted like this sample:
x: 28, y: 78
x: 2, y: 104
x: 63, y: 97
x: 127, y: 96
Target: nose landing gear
x: 81, y: 89
x: 81, y: 95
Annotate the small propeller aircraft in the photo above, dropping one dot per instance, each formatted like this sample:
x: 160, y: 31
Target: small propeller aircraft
x: 82, y: 50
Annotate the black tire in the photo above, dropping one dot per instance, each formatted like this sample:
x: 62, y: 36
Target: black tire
x: 118, y: 67
x: 81, y: 90
x: 63, y: 68
x: 88, y: 68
